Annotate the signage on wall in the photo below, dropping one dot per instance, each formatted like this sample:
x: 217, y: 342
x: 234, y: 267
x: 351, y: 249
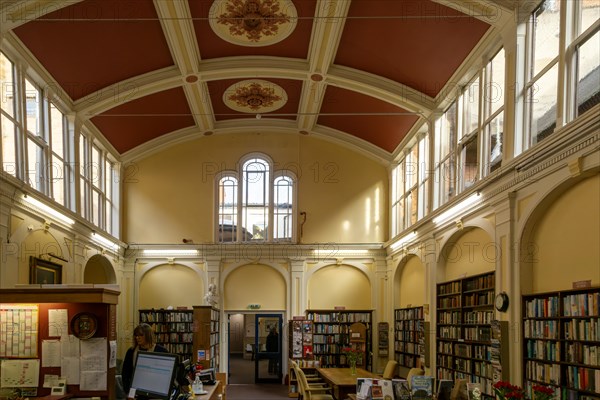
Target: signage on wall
x: 582, y: 284
x: 253, y: 306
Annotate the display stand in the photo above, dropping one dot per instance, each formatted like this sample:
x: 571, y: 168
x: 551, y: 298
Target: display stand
x: 90, y: 315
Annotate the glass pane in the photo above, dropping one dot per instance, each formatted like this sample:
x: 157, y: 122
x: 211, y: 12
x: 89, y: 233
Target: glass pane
x: 283, y: 208
x: 56, y: 128
x: 445, y: 180
x: 495, y: 85
x: 227, y: 209
x: 469, y: 164
x: 589, y: 12
x: 447, y: 138
x: 401, y: 220
x: 546, y: 20
x: 9, y: 151
x: 58, y: 180
x: 7, y: 89
x: 82, y: 197
x: 256, y: 194
x: 109, y: 213
x: 96, y: 168
x: 495, y: 131
x: 96, y: 201
x: 469, y: 100
x: 542, y: 101
x: 35, y: 165
x: 33, y: 108
x: 423, y: 199
x: 410, y: 167
x: 394, y: 222
x: 82, y: 156
x: 588, y: 74
x: 412, y: 205
x: 108, y: 171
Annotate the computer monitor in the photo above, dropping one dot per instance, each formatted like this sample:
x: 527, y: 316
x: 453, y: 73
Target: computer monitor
x: 154, y: 375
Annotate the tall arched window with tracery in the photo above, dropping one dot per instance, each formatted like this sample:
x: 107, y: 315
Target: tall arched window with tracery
x: 256, y: 203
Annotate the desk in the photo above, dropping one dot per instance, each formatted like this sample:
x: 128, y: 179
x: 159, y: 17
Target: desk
x: 342, y: 381
x: 213, y: 393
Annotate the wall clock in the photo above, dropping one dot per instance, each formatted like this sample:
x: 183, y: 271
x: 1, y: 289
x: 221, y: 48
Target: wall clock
x: 84, y: 325
x: 501, y: 302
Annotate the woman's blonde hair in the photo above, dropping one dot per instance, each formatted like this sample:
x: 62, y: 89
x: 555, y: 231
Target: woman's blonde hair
x: 146, y: 331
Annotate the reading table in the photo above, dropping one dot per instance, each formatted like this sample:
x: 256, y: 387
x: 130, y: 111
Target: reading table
x: 342, y: 381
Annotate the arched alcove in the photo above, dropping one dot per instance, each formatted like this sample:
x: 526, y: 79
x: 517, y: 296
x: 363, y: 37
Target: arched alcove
x: 339, y: 285
x: 99, y: 270
x: 470, y: 251
x: 560, y: 240
x: 188, y: 287
x: 409, y: 283
x: 254, y: 284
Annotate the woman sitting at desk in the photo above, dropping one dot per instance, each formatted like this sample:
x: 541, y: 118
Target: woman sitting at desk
x: 143, y: 340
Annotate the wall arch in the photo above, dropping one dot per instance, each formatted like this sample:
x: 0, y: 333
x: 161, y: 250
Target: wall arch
x: 255, y: 283
x: 559, y: 241
x: 342, y: 284
x: 409, y: 282
x: 98, y: 269
x: 186, y: 277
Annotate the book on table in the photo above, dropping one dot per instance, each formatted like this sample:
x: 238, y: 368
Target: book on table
x: 401, y: 389
x: 422, y: 387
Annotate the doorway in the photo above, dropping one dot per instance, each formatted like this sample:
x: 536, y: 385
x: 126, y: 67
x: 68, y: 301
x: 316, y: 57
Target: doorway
x: 249, y: 362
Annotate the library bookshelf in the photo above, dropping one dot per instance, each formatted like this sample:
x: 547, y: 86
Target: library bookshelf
x: 561, y: 342
x: 173, y: 329
x: 409, y: 336
x: 206, y: 337
x: 331, y: 333
x: 464, y: 315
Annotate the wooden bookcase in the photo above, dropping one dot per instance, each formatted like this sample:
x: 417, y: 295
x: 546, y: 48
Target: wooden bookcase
x: 465, y: 310
x: 331, y: 333
x: 561, y: 342
x: 409, y: 336
x: 358, y: 342
x: 99, y: 304
x: 207, y: 321
x: 173, y: 329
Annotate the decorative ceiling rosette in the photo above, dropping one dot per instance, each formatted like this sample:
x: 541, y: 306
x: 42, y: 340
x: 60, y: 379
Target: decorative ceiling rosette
x: 253, y: 22
x: 255, y: 96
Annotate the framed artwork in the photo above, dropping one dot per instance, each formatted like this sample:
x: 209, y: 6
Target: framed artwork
x: 43, y: 271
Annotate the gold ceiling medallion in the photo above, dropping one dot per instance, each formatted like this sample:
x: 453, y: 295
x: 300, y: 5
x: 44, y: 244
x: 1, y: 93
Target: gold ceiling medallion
x: 255, y: 96
x: 253, y: 22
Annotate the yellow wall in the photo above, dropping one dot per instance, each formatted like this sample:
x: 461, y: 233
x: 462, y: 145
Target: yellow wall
x: 171, y: 285
x: 255, y: 284
x: 409, y: 284
x: 472, y: 253
x: 342, y: 192
x: 339, y: 285
x: 566, y: 239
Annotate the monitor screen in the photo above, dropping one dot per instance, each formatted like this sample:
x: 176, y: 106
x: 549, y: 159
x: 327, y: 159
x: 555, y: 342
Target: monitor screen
x: 154, y: 374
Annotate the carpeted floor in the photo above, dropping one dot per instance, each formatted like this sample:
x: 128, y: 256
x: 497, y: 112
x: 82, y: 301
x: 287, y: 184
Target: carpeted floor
x: 241, y: 383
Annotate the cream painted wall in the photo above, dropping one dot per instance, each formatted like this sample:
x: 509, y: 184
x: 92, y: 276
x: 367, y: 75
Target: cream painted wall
x: 40, y: 242
x: 342, y: 191
x: 339, y: 285
x: 472, y: 253
x: 567, y: 239
x: 255, y: 284
x: 409, y: 284
x: 171, y: 285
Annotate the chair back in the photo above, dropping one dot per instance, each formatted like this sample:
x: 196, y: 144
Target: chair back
x: 390, y: 369
x: 413, y: 372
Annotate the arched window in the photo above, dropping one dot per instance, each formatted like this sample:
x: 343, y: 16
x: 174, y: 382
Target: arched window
x: 259, y: 206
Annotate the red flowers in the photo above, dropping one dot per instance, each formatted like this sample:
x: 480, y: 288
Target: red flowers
x: 504, y: 391
x: 541, y: 392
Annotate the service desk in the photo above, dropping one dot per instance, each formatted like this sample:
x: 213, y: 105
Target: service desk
x: 213, y: 392
x: 342, y: 381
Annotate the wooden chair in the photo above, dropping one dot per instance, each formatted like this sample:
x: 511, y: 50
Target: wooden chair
x: 309, y: 377
x: 390, y: 369
x: 313, y: 392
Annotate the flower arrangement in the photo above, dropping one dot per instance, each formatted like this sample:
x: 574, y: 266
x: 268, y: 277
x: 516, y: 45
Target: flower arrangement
x: 506, y: 391
x: 352, y: 355
x: 541, y: 392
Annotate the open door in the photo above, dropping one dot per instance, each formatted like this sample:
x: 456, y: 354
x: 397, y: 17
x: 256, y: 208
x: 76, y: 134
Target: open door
x: 268, y: 348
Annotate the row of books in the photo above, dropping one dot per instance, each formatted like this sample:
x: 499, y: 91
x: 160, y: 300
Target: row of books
x: 449, y: 317
x: 172, y: 327
x: 478, y: 299
x: 409, y: 325
x: 481, y: 282
x: 408, y: 336
x: 584, y: 379
x: 413, y: 348
x: 325, y: 339
x: 581, y: 305
x: 449, y: 288
x: 542, y: 308
x: 448, y: 302
x: 326, y: 348
x: 536, y: 329
x: 342, y: 317
x: 410, y: 313
x: 543, y: 350
x: 166, y: 316
x: 582, y: 329
x: 482, y: 333
x: 541, y: 372
x: 582, y: 354
x: 178, y: 348
x: 478, y: 317
x: 175, y: 337
x: 331, y: 329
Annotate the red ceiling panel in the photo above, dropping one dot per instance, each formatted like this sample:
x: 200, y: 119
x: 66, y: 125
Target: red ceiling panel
x: 368, y: 118
x: 212, y: 46
x: 144, y: 119
x: 417, y: 43
x: 92, y: 44
x: 216, y: 89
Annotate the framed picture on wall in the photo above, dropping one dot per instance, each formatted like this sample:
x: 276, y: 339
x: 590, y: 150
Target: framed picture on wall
x: 44, y: 272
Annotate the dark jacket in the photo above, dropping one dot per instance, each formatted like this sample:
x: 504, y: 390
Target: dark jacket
x: 127, y: 370
x: 272, y: 342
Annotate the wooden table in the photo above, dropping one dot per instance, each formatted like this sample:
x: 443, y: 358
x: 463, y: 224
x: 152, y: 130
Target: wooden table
x: 213, y: 393
x: 342, y: 381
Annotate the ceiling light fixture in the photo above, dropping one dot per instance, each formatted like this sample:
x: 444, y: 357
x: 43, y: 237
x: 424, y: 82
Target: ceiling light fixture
x: 457, y: 209
x: 48, y: 210
x: 403, y: 240
x: 170, y: 252
x: 104, y: 241
x: 333, y: 251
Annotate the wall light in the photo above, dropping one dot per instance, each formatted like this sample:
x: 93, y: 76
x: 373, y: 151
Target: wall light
x: 457, y: 209
x: 403, y: 240
x: 170, y: 252
x: 104, y: 241
x: 48, y: 210
x: 333, y: 251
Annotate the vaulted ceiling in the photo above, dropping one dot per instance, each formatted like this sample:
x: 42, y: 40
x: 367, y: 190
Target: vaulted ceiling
x: 145, y: 74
